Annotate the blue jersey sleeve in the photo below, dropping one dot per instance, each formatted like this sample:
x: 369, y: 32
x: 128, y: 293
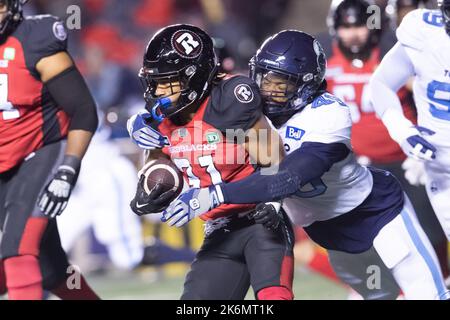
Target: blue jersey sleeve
x: 299, y: 168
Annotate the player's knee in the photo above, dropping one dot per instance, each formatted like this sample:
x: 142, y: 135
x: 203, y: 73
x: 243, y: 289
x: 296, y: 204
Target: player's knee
x: 275, y: 293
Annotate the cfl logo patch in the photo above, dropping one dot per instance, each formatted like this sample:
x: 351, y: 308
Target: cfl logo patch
x: 294, y: 133
x: 244, y: 93
x: 187, y: 44
x: 194, y: 204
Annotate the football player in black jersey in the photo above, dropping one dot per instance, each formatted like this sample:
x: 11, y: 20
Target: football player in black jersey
x: 47, y: 119
x: 190, y: 107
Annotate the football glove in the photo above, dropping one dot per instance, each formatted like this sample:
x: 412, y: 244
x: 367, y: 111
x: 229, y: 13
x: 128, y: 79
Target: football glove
x: 416, y: 146
x: 268, y: 214
x: 143, y: 134
x: 153, y: 202
x: 192, y: 203
x: 53, y: 200
x: 414, y: 171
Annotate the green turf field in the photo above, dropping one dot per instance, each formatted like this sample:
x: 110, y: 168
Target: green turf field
x: 153, y: 284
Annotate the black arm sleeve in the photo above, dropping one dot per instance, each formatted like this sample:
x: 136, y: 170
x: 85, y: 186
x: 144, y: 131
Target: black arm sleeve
x: 299, y: 168
x: 70, y: 92
x: 235, y: 103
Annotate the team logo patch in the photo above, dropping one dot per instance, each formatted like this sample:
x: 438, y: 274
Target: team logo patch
x: 187, y: 44
x: 59, y: 31
x: 212, y: 137
x: 294, y: 133
x: 244, y: 93
x: 9, y: 53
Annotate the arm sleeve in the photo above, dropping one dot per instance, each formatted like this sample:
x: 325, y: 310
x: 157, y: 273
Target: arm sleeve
x: 235, y: 104
x: 392, y: 74
x: 299, y: 168
x: 71, y: 93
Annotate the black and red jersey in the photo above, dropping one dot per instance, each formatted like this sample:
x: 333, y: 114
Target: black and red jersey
x: 203, y: 149
x: 29, y: 117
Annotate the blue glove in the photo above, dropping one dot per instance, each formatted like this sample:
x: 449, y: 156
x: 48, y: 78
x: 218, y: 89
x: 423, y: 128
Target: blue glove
x: 144, y: 135
x: 192, y: 203
x: 417, y: 147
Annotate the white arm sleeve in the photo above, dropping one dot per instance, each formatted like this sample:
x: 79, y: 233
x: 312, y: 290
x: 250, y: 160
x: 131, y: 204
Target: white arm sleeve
x: 393, y: 73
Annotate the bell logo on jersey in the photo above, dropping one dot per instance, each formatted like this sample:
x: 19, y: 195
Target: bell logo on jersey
x: 294, y: 133
x: 244, y: 93
x: 187, y: 44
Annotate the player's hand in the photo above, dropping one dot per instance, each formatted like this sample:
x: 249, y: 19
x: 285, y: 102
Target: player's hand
x: 154, y: 202
x: 55, y: 196
x: 268, y: 214
x: 144, y: 135
x: 414, y: 171
x: 192, y: 203
x: 416, y: 146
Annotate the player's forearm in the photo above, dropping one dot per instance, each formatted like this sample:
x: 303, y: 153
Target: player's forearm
x: 154, y: 154
x: 78, y: 142
x: 264, y: 145
x: 394, y: 72
x: 298, y: 169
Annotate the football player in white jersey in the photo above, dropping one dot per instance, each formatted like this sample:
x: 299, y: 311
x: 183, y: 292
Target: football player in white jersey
x: 342, y: 205
x: 421, y: 52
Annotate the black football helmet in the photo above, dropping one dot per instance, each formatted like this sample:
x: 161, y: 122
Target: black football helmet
x: 350, y: 13
x: 178, y: 53
x: 12, y: 18
x: 297, y: 59
x: 444, y: 6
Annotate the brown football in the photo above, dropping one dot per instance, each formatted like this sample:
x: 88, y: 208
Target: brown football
x: 164, y: 172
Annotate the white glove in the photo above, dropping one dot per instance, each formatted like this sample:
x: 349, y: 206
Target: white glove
x: 414, y: 171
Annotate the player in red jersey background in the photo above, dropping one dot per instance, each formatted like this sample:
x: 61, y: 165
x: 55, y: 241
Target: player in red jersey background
x: 47, y: 119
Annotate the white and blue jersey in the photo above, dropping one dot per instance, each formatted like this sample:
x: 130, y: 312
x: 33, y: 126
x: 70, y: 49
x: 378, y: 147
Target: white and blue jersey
x: 423, y: 36
x: 346, y: 184
x: 346, y: 207
x: 343, y: 206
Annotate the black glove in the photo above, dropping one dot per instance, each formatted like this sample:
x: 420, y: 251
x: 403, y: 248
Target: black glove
x: 53, y: 199
x: 267, y: 215
x: 156, y: 201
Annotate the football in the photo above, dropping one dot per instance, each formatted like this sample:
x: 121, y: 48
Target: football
x: 162, y: 171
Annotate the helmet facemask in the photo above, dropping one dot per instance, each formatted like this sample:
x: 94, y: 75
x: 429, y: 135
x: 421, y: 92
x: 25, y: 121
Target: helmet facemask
x: 173, y: 83
x: 283, y: 94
